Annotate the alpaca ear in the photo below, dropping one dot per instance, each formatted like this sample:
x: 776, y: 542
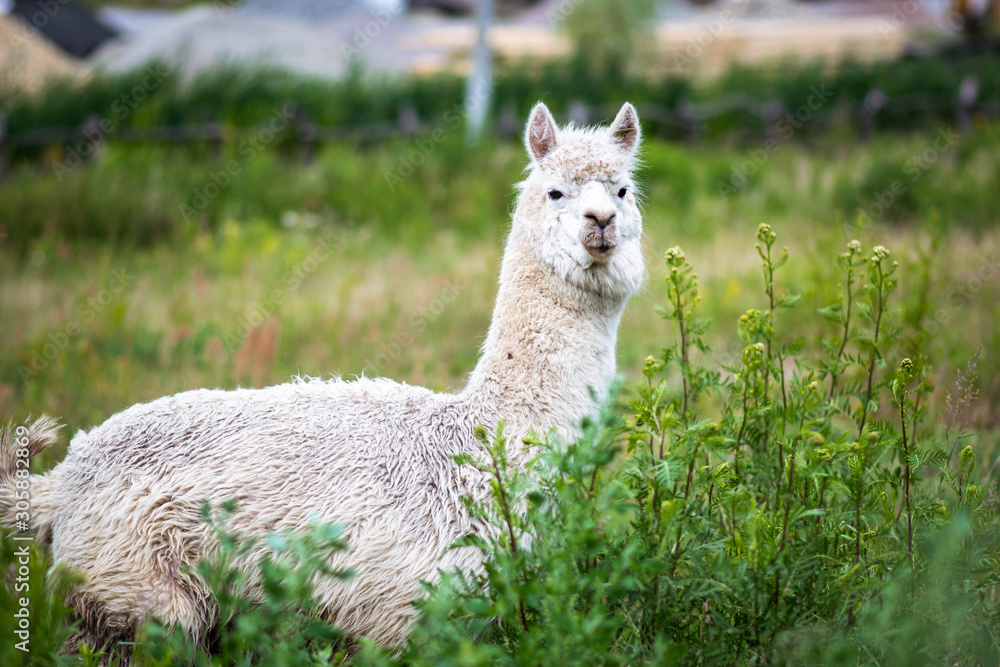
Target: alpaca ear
x: 542, y: 134
x: 625, y: 130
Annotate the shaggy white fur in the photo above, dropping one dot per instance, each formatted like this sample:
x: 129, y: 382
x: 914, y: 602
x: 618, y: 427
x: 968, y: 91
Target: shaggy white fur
x: 371, y: 454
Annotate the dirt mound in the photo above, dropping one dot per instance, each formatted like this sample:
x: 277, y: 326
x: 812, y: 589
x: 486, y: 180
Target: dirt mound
x: 28, y: 60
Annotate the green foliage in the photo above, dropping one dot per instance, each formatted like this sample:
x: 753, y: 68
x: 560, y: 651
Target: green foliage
x: 608, y: 35
x: 266, y: 616
x: 790, y: 506
x: 26, y: 578
x: 240, y: 97
x: 762, y: 516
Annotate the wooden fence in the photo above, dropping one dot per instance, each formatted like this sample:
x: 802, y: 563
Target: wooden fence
x: 688, y: 120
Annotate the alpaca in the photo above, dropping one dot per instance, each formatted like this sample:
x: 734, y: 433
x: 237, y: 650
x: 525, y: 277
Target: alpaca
x: 371, y: 454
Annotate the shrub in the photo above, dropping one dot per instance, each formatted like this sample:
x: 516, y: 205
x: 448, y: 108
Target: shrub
x: 921, y: 92
x: 790, y: 508
x: 795, y: 505
x: 279, y: 625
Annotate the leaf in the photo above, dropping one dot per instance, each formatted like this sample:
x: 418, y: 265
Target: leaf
x: 788, y: 301
x: 833, y: 313
x: 897, y: 391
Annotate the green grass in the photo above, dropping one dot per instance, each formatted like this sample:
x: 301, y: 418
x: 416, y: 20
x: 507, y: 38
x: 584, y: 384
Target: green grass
x: 109, y: 296
x: 194, y: 285
x: 241, y: 97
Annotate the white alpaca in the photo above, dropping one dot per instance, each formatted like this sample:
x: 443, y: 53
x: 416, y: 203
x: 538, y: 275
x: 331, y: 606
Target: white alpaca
x: 373, y: 455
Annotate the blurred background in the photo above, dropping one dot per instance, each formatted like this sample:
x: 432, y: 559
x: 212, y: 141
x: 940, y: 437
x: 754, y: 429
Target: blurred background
x: 234, y: 193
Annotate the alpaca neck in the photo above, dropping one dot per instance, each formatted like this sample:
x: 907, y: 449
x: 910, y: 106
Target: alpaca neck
x: 549, y: 356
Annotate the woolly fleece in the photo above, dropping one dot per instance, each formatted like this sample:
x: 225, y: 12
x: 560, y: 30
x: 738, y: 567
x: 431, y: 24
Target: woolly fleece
x: 372, y: 454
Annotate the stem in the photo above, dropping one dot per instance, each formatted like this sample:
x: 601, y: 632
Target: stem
x: 687, y: 484
x: 756, y: 610
x: 743, y: 425
x: 678, y: 304
x: 679, y: 312
x: 906, y: 491
x: 819, y: 502
x: 769, y: 288
x: 788, y: 499
x: 687, y: 490
x: 781, y: 372
x: 504, y: 507
x: 857, y: 524
x: 777, y: 348
x: 847, y: 328
x: 871, y: 362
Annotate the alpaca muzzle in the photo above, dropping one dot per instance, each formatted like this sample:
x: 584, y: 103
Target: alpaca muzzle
x: 599, y: 236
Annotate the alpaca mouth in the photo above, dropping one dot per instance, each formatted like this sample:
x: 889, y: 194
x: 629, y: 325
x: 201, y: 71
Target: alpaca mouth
x: 601, y: 249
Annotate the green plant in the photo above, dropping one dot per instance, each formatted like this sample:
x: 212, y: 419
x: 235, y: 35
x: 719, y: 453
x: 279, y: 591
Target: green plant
x: 35, y: 624
x: 739, y: 519
x: 265, y: 615
x: 608, y: 35
x: 791, y: 505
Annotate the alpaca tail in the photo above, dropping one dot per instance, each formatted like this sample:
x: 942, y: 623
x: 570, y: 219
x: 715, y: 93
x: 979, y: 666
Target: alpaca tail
x: 24, y: 498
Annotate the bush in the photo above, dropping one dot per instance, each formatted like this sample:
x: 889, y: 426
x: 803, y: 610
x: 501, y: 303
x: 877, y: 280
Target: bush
x: 787, y: 509
x: 922, y: 93
x: 279, y: 625
x: 794, y: 505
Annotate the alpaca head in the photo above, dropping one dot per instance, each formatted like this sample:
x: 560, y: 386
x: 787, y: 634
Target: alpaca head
x: 579, y: 202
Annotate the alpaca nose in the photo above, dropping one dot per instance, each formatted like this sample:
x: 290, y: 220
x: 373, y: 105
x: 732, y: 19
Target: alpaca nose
x: 602, y: 220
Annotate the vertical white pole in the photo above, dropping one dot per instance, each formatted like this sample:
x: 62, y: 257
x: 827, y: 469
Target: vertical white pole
x: 479, y: 86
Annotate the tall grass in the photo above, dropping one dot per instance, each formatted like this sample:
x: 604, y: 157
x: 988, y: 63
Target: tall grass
x: 796, y: 505
x: 241, y: 97
x: 802, y: 472
x: 196, y: 288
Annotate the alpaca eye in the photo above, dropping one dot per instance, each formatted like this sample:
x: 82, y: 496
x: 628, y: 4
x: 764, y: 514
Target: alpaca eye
x: 555, y: 194
x: 621, y: 193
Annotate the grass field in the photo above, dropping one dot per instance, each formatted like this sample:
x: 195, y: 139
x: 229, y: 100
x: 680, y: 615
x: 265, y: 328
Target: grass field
x: 331, y: 269
x: 118, y: 286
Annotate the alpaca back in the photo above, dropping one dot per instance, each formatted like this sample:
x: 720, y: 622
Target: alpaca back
x: 375, y: 456
x: 371, y: 455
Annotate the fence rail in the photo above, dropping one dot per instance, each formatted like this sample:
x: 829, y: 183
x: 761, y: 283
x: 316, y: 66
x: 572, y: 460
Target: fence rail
x: 689, y: 119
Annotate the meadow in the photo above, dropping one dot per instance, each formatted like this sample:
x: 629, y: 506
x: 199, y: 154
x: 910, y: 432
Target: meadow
x: 111, y: 294
x: 133, y: 277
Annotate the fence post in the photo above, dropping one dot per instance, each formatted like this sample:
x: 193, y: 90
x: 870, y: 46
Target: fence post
x: 692, y: 124
x: 967, y: 93
x: 408, y: 121
x: 773, y: 112
x: 3, y: 145
x: 874, y: 101
x: 507, y: 125
x: 579, y: 113
x: 306, y: 131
